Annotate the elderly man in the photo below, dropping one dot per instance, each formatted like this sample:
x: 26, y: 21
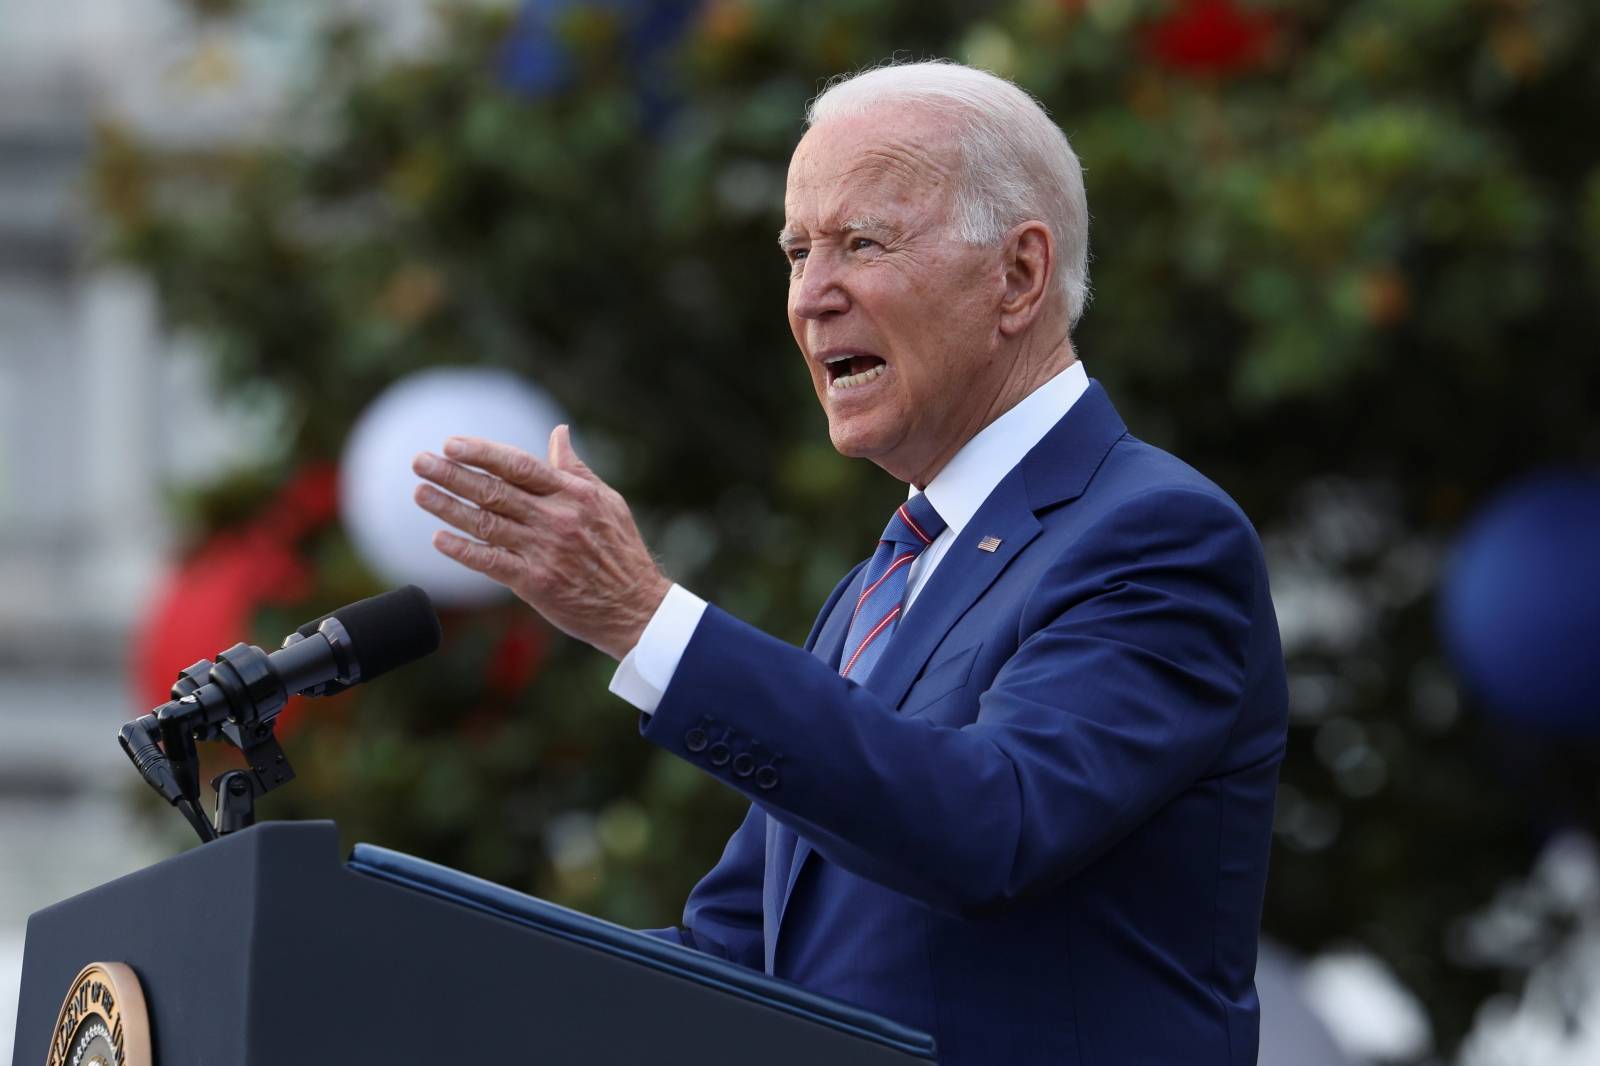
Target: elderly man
x: 1017, y: 788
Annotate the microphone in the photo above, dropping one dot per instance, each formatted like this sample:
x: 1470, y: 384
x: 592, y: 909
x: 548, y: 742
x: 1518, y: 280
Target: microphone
x: 363, y: 640
x: 356, y: 643
x: 237, y: 697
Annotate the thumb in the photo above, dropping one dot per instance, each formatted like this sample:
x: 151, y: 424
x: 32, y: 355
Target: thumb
x: 562, y: 457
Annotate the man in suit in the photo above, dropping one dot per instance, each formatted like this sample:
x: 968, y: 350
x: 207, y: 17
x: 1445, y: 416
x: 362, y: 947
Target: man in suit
x: 1017, y: 787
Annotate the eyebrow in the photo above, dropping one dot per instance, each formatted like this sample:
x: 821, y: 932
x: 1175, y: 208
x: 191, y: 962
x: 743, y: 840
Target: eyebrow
x: 856, y: 225
x: 788, y: 237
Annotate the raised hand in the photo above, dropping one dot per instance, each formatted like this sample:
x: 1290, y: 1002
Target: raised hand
x: 552, y: 532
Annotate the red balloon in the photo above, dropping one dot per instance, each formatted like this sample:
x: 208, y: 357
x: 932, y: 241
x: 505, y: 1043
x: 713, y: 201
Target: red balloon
x: 1211, y: 37
x: 206, y: 606
x: 517, y: 656
x: 208, y: 603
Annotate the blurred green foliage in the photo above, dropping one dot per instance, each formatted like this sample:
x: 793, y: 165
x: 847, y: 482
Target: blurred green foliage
x: 1351, y: 272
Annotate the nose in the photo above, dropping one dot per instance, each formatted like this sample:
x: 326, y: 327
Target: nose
x: 818, y: 290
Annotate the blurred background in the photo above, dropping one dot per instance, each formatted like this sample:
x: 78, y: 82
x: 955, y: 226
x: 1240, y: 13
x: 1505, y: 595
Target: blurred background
x: 1346, y: 262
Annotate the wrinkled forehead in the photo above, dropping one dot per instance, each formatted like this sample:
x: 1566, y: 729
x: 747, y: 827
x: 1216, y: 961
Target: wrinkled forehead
x: 880, y: 160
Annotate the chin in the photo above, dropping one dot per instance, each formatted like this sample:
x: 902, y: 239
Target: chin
x: 844, y: 444
x: 858, y: 438
x: 847, y: 440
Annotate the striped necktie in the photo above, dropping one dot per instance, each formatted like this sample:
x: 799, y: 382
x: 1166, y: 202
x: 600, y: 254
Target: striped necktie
x: 913, y: 527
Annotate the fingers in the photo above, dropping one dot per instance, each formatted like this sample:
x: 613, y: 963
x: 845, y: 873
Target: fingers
x: 488, y: 492
x: 562, y: 455
x: 487, y: 559
x: 512, y: 464
x: 482, y: 524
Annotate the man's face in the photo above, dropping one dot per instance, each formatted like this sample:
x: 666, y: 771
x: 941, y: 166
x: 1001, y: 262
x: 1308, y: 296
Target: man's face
x: 897, y: 318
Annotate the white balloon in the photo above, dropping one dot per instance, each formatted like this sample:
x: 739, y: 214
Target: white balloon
x: 415, y: 414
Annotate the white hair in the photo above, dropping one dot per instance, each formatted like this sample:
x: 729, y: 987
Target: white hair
x: 1017, y: 163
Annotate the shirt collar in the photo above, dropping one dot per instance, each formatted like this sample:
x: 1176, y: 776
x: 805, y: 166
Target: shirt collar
x: 958, y: 490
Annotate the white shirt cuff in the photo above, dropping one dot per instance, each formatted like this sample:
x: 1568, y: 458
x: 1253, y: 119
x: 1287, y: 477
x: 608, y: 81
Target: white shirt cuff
x: 645, y: 672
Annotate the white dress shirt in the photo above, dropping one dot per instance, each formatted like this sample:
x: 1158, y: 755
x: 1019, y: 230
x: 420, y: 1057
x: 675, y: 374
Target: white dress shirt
x: 956, y: 492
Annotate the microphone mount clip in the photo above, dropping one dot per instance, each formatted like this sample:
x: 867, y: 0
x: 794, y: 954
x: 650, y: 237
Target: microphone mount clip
x: 235, y: 699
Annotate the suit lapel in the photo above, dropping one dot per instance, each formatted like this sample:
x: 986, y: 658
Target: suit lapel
x: 1060, y: 466
x: 1057, y: 470
x: 829, y: 644
x: 962, y: 576
x: 953, y: 587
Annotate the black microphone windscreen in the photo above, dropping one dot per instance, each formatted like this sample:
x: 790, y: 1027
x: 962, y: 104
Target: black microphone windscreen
x: 390, y: 629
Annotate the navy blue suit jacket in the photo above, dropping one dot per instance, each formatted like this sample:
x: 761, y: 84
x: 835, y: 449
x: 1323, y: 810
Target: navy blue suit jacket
x: 1040, y: 829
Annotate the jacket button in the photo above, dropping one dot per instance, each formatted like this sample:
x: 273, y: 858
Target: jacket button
x: 718, y: 754
x: 767, y: 777
x: 743, y: 764
x: 695, y: 739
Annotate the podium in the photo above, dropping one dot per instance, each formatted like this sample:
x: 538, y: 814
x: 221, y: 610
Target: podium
x: 265, y: 948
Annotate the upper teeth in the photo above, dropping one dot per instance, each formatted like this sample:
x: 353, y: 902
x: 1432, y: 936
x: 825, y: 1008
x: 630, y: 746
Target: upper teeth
x: 848, y: 380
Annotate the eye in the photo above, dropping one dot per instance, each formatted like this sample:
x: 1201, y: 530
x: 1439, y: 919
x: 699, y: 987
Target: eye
x: 861, y: 244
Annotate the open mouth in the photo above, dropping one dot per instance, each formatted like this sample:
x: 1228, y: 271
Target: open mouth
x: 848, y: 371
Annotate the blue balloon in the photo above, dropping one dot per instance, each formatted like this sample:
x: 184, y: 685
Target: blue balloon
x: 1520, y: 604
x: 534, y: 60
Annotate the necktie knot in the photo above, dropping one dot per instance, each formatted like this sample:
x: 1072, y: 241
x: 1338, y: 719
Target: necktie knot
x: 914, y: 523
x: 913, y: 526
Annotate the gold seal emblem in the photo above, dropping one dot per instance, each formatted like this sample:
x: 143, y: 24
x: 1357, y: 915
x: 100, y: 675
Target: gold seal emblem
x: 103, y: 1020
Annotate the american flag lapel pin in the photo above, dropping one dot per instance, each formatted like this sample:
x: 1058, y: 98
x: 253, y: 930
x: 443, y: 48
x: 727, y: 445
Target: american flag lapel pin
x: 988, y: 544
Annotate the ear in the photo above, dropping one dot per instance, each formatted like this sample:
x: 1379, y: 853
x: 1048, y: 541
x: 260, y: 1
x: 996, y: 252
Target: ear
x: 1029, y: 253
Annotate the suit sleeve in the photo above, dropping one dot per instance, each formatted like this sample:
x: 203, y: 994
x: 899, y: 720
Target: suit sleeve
x: 1126, y: 683
x: 723, y: 915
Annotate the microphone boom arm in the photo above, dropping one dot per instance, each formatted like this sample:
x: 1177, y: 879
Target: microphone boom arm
x: 237, y: 697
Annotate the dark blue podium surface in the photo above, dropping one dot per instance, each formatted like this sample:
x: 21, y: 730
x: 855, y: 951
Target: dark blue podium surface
x: 265, y: 948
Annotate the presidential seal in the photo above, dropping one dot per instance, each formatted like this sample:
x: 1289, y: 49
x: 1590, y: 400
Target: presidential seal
x: 103, y: 1021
